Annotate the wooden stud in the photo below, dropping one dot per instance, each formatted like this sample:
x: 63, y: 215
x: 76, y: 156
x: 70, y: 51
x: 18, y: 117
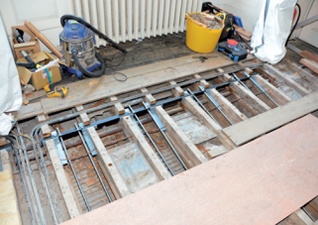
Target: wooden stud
x: 229, y: 109
x: 112, y: 171
x: 148, y: 98
x: 177, y: 91
x: 9, y: 209
x: 280, y: 97
x: 310, y: 64
x: 272, y: 71
x: 304, y: 74
x: 303, y: 216
x: 148, y: 152
x: 187, y: 150
x: 272, y: 119
x: 309, y: 55
x: 196, y: 110
x: 71, y: 204
x: 202, y: 82
x: 119, y: 108
x: 250, y: 98
x: 84, y: 117
x: 45, y: 129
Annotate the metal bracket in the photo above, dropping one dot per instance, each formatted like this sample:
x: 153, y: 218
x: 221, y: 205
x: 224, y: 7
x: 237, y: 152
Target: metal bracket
x: 209, y: 95
x: 59, y: 148
x: 88, y: 140
x: 155, y: 116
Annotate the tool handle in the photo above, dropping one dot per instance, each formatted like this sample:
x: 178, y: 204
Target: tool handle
x: 42, y: 38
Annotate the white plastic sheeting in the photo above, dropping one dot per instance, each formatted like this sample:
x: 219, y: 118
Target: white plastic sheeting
x: 10, y: 89
x: 272, y: 29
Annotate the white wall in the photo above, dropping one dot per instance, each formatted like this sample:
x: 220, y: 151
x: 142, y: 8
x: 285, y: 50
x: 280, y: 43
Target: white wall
x: 44, y: 14
x: 309, y: 33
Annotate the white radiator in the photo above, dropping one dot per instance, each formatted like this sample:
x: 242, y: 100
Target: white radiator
x: 125, y: 20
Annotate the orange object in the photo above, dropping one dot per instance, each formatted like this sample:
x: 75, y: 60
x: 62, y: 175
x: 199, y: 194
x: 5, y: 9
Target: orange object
x: 232, y: 42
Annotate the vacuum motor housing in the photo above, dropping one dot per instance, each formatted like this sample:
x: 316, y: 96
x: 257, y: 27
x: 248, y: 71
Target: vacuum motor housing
x: 77, y: 37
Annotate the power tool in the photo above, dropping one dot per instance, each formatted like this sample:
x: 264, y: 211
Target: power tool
x: 233, y: 49
x: 78, y: 42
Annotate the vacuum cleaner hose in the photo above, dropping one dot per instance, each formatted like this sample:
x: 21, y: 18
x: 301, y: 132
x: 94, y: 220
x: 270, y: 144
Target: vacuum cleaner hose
x: 100, y: 34
x: 86, y: 72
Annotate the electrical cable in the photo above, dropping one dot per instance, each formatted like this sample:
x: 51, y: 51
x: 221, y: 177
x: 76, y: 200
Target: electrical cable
x: 297, y: 20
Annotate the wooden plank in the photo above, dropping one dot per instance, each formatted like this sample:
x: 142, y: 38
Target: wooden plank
x: 83, y: 116
x: 119, y: 108
x: 28, y: 111
x: 276, y: 73
x: 196, y: 110
x: 310, y: 64
x: 309, y: 55
x: 243, y: 187
x: 254, y: 102
x: 303, y: 216
x: 189, y: 153
x: 89, y: 90
x: 202, y: 82
x: 177, y: 91
x: 280, y: 97
x: 153, y: 159
x: 229, y: 109
x: 108, y: 164
x: 9, y: 211
x: 270, y: 120
x: 71, y: 204
x: 148, y: 98
x: 45, y: 129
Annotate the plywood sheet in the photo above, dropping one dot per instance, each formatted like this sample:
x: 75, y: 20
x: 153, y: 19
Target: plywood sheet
x: 261, y: 182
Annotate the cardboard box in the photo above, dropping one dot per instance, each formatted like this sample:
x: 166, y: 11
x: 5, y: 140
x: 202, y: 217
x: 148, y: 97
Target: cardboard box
x: 39, y: 79
x: 31, y: 47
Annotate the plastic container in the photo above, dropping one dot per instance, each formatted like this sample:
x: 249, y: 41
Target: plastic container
x: 201, y: 39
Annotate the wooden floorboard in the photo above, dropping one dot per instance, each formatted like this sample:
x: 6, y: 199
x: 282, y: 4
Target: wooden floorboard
x: 89, y: 90
x: 260, y: 183
x: 247, y: 130
x: 9, y: 211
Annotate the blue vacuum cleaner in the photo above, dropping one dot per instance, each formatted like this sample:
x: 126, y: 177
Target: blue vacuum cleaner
x: 78, y: 42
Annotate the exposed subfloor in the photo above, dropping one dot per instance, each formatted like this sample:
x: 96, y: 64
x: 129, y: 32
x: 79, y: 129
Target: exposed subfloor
x: 134, y: 147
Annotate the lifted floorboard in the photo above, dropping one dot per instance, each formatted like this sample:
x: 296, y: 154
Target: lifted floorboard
x: 272, y: 119
x: 282, y: 179
x: 93, y: 89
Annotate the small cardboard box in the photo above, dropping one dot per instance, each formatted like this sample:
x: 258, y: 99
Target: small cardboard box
x: 32, y: 46
x: 39, y: 79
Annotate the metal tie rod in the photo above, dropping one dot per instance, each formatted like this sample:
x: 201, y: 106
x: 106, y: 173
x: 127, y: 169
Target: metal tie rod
x: 152, y: 141
x: 216, y: 104
x: 240, y: 82
x: 260, y: 88
x: 166, y: 138
x: 93, y: 163
x: 73, y: 170
x: 202, y: 106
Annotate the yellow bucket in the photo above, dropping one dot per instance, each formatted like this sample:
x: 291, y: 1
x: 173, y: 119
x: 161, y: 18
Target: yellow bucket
x: 201, y: 39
